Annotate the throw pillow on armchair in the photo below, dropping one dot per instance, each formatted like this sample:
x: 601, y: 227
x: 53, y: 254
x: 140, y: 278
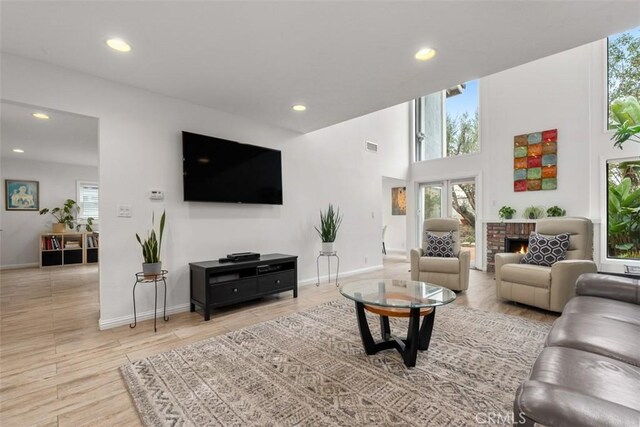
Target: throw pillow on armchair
x: 439, y: 246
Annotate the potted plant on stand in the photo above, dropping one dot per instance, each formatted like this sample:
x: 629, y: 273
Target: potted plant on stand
x: 65, y: 217
x: 151, y: 248
x: 329, y: 224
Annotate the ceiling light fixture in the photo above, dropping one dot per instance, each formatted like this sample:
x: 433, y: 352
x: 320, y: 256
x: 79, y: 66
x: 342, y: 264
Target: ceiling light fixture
x: 119, y: 45
x: 42, y: 116
x: 18, y: 150
x: 299, y: 107
x: 425, y: 54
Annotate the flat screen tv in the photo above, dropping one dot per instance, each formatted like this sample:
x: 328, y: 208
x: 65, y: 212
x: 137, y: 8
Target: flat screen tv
x: 219, y: 170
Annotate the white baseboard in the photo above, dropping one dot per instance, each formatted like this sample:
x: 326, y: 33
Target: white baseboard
x: 396, y: 251
x: 325, y: 278
x: 181, y: 308
x: 17, y: 266
x: 145, y: 315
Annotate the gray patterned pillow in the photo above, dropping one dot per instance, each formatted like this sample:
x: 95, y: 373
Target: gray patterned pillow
x: 439, y: 246
x: 546, y: 251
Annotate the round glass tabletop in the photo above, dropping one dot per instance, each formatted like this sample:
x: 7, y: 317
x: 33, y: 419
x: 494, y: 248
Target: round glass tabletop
x: 397, y: 293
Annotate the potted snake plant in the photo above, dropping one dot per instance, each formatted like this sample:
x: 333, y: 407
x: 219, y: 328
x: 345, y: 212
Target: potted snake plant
x: 151, y: 248
x: 329, y: 224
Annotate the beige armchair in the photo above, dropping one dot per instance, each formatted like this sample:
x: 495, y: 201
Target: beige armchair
x: 548, y: 287
x: 452, y: 273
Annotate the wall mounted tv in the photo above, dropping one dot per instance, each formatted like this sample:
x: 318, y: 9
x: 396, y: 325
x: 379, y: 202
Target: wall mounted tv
x: 219, y: 170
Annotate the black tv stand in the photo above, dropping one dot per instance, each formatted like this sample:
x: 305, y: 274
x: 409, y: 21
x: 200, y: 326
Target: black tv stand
x: 214, y: 284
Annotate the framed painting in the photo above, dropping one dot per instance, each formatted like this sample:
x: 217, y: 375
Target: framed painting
x: 399, y: 201
x: 21, y: 195
x: 535, y: 161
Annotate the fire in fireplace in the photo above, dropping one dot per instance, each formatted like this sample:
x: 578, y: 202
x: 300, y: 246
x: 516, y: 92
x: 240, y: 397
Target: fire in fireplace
x: 516, y: 244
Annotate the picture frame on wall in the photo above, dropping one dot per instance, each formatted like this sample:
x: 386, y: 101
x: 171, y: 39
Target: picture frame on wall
x: 22, y: 195
x: 399, y: 201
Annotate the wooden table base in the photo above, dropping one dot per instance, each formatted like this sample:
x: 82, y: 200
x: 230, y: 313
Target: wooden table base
x: 418, y: 337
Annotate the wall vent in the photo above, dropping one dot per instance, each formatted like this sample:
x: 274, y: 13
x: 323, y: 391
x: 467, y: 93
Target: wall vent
x: 371, y: 146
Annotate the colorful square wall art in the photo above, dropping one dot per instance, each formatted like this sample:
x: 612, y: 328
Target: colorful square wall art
x: 535, y: 161
x: 21, y: 195
x: 399, y: 201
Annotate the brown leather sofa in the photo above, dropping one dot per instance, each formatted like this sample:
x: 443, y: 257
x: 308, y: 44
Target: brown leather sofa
x: 589, y: 371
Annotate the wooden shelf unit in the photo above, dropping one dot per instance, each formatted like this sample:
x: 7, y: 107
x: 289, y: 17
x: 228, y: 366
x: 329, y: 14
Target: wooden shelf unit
x: 70, y: 248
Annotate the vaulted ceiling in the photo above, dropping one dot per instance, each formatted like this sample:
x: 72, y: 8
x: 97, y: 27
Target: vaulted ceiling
x: 340, y: 59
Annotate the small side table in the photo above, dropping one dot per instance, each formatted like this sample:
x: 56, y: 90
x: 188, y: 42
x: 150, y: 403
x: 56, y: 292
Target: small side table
x: 152, y: 278
x: 328, y: 255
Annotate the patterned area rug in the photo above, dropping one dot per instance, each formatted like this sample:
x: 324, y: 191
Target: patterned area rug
x: 309, y: 369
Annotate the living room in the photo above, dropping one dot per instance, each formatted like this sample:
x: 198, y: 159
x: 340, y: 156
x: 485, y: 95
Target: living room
x: 358, y: 88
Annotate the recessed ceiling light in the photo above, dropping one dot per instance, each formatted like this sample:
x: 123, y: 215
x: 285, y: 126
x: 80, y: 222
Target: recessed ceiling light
x: 425, y: 54
x: 18, y: 150
x: 119, y: 45
x: 42, y: 116
x: 299, y: 107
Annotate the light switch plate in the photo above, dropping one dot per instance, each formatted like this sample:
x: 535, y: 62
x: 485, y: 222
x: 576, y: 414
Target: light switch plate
x: 124, y: 211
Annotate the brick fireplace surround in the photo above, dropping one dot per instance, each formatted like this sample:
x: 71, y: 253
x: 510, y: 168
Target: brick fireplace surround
x: 496, y: 233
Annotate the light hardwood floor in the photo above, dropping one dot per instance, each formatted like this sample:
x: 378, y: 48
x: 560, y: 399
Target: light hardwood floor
x: 57, y: 368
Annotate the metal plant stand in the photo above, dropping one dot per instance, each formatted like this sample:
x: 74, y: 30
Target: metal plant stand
x: 151, y: 278
x: 328, y: 255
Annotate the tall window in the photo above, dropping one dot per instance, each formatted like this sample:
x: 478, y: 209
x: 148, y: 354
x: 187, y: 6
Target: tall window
x: 623, y: 60
x: 623, y: 208
x: 446, y: 122
x: 88, y: 200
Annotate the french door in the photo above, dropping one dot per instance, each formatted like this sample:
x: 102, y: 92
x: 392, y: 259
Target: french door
x: 450, y: 199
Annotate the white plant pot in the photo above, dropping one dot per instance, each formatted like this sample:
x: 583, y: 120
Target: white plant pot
x: 152, y: 269
x: 328, y: 247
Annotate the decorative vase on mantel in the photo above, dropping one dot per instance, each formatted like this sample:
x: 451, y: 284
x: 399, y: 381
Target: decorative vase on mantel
x: 328, y: 247
x: 58, y: 227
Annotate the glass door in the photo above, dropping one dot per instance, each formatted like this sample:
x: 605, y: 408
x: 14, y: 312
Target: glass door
x: 463, y: 207
x: 430, y: 204
x: 450, y: 199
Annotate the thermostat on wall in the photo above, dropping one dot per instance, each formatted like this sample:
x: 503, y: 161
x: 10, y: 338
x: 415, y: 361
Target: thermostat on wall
x: 156, y: 195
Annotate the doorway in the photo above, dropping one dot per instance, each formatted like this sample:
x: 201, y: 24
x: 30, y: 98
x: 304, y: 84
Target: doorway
x: 451, y: 199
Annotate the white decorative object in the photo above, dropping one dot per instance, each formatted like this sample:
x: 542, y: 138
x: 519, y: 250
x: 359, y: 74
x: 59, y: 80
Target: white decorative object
x: 328, y: 247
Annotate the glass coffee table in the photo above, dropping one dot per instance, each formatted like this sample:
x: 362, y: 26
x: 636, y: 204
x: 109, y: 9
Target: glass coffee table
x: 397, y: 298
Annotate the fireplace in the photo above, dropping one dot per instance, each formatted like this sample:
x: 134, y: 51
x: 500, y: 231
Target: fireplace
x: 499, y: 232
x: 516, y: 244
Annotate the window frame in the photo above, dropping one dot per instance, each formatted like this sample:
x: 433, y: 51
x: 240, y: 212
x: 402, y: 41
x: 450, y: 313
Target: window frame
x: 415, y: 111
x: 607, y: 126
x: 605, y: 222
x: 82, y: 219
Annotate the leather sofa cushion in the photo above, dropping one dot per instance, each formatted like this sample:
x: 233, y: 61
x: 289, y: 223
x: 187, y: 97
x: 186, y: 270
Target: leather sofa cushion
x: 609, y: 308
x: 526, y: 274
x: 595, y: 334
x: 440, y: 265
x: 570, y: 387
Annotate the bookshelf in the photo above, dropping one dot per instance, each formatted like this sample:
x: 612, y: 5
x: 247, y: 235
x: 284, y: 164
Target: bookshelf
x: 58, y: 249
x: 91, y: 247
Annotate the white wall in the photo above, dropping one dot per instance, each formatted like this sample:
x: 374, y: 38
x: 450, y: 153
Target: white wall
x: 140, y: 150
x: 566, y: 91
x: 396, y: 233
x: 20, y: 229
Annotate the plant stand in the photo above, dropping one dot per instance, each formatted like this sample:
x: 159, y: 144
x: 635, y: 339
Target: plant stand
x: 328, y: 255
x: 153, y: 278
